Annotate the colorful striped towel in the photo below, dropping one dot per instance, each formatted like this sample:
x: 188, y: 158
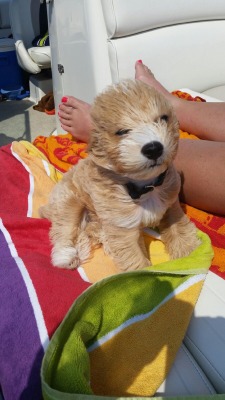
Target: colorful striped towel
x: 34, y: 296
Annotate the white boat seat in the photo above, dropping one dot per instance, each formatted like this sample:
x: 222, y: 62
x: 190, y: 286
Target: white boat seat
x: 25, y: 25
x: 186, y: 378
x: 181, y: 41
x: 41, y: 55
x: 205, y: 337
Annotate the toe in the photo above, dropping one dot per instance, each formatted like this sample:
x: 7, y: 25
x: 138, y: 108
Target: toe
x: 64, y: 113
x: 65, y: 109
x: 141, y: 70
x: 64, y: 121
x: 66, y: 128
x: 73, y: 102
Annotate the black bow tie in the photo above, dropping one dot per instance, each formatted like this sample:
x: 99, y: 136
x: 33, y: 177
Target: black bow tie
x: 136, y: 192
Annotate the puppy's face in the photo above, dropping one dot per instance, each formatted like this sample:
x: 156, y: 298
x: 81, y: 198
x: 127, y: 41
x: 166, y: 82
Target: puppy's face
x: 135, y: 130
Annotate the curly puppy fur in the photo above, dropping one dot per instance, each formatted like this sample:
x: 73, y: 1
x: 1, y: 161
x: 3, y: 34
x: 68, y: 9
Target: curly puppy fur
x: 133, y: 145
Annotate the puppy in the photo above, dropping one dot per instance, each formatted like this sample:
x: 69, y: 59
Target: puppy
x: 127, y: 182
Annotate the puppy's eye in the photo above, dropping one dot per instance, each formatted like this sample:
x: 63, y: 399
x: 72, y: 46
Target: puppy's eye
x: 121, y: 132
x: 164, y: 117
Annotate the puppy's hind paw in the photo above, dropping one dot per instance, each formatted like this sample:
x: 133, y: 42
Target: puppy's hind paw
x: 133, y: 265
x: 66, y: 257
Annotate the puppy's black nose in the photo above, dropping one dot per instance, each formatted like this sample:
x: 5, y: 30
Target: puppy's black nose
x: 152, y: 150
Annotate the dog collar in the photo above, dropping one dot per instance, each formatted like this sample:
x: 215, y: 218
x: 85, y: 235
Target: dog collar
x: 136, y: 192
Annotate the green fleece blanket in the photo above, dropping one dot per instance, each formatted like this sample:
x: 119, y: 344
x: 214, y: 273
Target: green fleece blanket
x: 122, y: 334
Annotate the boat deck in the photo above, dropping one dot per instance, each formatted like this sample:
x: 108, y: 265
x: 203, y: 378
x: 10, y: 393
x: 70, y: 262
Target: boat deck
x: 19, y: 121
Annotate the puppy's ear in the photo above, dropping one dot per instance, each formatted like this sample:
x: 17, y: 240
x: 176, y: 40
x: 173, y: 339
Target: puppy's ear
x: 93, y: 142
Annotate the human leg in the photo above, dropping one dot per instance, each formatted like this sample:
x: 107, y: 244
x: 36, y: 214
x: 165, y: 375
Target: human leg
x: 202, y: 165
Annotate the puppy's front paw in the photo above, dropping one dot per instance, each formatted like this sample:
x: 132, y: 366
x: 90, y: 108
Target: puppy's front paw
x: 184, y: 243
x: 66, y: 257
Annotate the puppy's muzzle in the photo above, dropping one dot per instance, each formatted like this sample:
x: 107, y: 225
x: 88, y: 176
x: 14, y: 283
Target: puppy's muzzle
x: 152, y: 150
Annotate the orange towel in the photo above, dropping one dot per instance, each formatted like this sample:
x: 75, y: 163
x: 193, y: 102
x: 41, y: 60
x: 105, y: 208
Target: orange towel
x: 62, y: 151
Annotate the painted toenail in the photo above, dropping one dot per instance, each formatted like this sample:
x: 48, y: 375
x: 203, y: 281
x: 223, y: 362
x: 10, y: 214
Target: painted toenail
x: 64, y: 99
x: 139, y: 61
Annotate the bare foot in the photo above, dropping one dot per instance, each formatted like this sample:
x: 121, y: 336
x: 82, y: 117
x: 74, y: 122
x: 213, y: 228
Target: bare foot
x: 74, y: 116
x: 144, y: 74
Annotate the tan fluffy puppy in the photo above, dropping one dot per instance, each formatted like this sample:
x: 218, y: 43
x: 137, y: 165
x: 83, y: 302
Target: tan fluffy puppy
x: 127, y: 182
